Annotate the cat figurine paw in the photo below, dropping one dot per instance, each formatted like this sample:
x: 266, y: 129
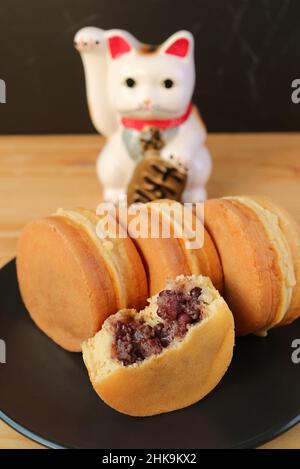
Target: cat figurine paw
x: 140, y: 97
x: 89, y: 39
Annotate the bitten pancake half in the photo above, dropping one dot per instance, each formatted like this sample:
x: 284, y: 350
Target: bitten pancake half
x: 166, y: 357
x: 71, y: 279
x: 259, y: 246
x: 168, y: 246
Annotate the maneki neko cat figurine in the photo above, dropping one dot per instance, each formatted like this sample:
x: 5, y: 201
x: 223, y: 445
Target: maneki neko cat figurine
x: 139, y: 93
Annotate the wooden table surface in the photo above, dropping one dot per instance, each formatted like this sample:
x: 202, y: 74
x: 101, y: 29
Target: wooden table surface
x: 38, y: 174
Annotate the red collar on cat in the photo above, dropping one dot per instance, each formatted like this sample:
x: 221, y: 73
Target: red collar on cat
x: 163, y: 124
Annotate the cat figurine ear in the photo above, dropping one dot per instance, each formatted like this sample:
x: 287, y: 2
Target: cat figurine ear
x: 180, y: 44
x: 120, y: 42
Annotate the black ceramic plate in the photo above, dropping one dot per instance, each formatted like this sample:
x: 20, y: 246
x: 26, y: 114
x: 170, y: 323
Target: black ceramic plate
x: 45, y: 393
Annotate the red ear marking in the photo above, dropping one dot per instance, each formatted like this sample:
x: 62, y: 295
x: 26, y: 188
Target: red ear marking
x: 118, y: 46
x: 180, y: 47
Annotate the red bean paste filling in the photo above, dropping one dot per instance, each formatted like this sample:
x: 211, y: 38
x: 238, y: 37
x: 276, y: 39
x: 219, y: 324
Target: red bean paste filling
x: 136, y: 340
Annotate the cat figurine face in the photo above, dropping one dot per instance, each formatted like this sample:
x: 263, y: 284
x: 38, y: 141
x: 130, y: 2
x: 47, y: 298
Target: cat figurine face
x: 151, y: 82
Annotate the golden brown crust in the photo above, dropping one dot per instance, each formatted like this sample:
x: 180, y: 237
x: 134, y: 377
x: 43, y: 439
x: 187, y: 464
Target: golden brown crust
x: 165, y: 258
x: 209, y: 261
x: 291, y: 230
x: 61, y: 283
x: 178, y: 377
x: 252, y: 277
x: 66, y: 284
x: 205, y: 261
x: 131, y: 273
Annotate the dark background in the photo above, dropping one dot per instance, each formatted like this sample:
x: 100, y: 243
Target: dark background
x: 247, y: 54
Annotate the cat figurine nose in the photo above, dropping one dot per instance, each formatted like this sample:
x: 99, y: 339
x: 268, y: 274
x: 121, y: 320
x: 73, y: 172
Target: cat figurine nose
x: 147, y: 102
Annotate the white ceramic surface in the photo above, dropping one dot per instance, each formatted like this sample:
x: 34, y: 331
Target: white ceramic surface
x: 132, y: 87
